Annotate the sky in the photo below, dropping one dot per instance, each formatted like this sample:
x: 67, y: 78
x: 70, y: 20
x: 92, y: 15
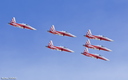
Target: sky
x: 23, y: 53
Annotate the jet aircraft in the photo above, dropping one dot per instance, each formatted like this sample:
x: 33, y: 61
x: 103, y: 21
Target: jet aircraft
x: 20, y: 25
x: 97, y: 37
x: 61, y: 33
x: 59, y: 48
x: 96, y: 56
x: 98, y: 47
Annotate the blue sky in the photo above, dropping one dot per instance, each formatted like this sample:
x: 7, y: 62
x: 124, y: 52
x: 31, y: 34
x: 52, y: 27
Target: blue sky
x: 23, y: 52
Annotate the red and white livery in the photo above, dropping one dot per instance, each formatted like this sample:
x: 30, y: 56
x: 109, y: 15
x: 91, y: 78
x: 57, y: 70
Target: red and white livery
x: 96, y: 56
x: 61, y: 33
x: 59, y: 48
x: 97, y: 37
x: 98, y: 47
x: 20, y: 25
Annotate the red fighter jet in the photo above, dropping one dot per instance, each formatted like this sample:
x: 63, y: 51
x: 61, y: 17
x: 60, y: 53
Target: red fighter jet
x: 20, y: 25
x: 97, y: 37
x: 61, y: 33
x: 98, y: 47
x: 59, y: 48
x: 96, y: 56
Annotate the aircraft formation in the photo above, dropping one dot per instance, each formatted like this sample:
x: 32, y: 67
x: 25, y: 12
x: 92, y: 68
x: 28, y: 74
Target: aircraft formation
x: 97, y: 47
x: 65, y: 33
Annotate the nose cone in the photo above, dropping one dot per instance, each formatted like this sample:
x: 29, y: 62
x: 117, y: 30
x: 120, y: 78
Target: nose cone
x: 109, y: 50
x: 111, y: 40
x: 34, y: 29
x: 74, y: 36
x: 107, y: 60
x: 71, y: 51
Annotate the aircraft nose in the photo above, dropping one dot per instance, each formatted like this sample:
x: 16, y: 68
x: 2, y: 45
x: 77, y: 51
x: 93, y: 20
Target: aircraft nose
x: 107, y: 60
x: 112, y: 40
x: 72, y: 51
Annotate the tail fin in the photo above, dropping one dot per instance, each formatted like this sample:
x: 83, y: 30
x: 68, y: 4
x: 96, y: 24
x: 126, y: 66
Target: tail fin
x: 89, y: 32
x: 50, y: 43
x: 86, y: 50
x: 13, y: 20
x: 52, y: 28
x: 88, y: 42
